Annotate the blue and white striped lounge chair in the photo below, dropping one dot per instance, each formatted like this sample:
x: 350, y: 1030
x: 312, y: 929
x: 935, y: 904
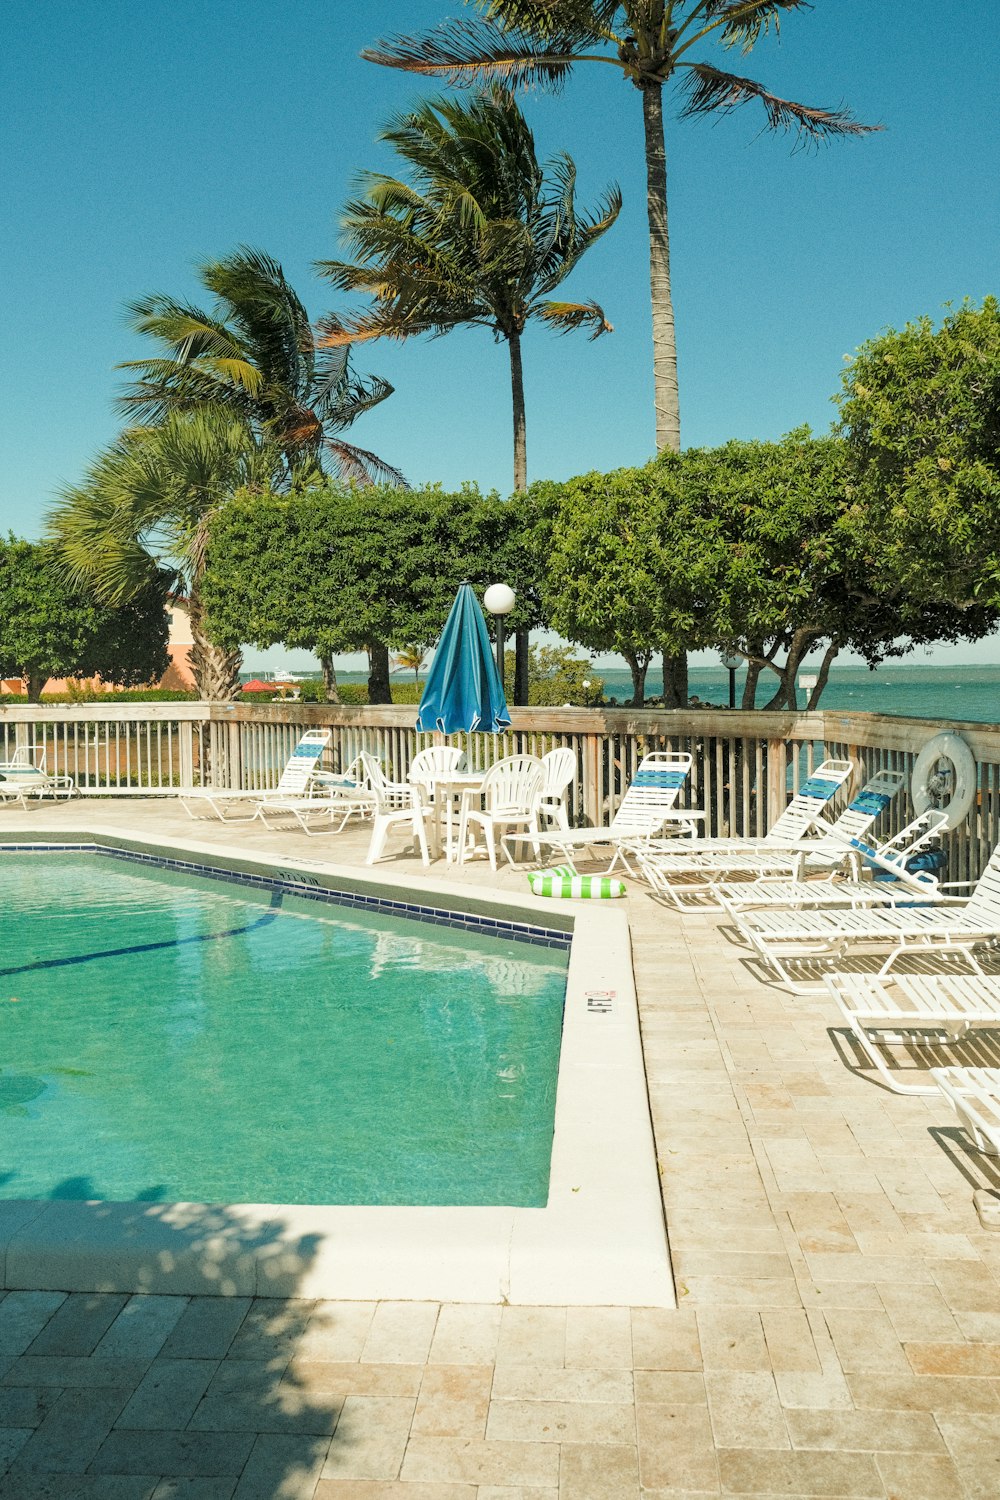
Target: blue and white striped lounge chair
x: 693, y: 876
x: 24, y: 777
x: 647, y: 808
x: 236, y: 805
x: 893, y: 884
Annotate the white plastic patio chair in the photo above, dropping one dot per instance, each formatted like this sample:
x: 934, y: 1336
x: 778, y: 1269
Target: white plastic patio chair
x: 560, y: 773
x: 293, y: 782
x: 948, y: 925
x: 394, y: 802
x: 25, y: 776
x: 648, y: 806
x: 975, y: 1095
x: 914, y: 1010
x: 434, y: 761
x: 509, y: 797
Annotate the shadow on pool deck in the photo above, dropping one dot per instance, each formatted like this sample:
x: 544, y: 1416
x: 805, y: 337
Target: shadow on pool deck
x: 107, y: 1394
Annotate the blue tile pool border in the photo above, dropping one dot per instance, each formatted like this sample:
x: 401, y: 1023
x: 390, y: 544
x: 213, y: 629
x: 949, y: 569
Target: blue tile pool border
x: 303, y: 883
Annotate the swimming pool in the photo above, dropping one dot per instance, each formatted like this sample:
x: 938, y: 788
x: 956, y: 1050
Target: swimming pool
x: 166, y: 1036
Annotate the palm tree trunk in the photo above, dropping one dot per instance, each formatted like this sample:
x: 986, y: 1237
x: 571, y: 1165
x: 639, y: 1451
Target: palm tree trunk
x: 517, y: 393
x: 666, y: 396
x: 216, y: 669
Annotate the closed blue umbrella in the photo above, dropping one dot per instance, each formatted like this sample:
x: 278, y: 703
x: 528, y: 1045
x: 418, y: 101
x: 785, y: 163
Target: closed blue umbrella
x: 463, y: 690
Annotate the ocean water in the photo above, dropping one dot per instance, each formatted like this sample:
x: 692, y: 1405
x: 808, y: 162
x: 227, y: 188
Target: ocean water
x: 906, y: 688
x: 179, y: 1038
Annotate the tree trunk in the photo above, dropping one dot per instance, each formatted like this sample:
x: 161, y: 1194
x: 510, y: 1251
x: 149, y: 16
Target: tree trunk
x: 517, y: 394
x: 33, y: 686
x: 666, y: 396
x: 330, y: 692
x: 823, y: 674
x: 216, y: 669
x: 675, y: 680
x: 638, y: 666
x: 750, y: 686
x: 521, y: 660
x: 379, y: 690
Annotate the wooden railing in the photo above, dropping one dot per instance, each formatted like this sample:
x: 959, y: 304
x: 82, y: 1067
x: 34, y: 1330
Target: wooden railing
x: 745, y: 764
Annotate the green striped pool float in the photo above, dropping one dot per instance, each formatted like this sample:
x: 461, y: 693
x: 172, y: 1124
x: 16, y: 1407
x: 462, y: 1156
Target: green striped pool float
x: 562, y: 882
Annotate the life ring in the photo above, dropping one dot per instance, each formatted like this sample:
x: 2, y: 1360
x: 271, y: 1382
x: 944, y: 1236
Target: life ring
x: 929, y: 785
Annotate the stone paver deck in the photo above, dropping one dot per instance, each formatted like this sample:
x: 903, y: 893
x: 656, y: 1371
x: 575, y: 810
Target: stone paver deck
x: 838, y: 1333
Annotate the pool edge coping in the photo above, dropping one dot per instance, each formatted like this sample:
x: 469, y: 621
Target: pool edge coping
x: 600, y: 1241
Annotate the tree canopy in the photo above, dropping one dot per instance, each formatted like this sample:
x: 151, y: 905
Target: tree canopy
x: 52, y: 628
x: 920, y: 413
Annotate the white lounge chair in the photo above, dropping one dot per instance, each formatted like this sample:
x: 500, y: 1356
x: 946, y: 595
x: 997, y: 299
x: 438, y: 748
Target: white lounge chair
x: 508, y: 798
x: 214, y: 801
x: 800, y: 838
x: 914, y: 1010
x: 898, y: 885
x: 394, y: 802
x: 648, y: 806
x: 975, y: 1094
x: 949, y: 925
x: 327, y: 804
x: 24, y: 776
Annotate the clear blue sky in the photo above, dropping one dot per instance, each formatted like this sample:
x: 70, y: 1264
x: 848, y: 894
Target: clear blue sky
x: 138, y: 139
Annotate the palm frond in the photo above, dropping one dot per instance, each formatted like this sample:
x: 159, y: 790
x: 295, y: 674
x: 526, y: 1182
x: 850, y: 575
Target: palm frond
x: 467, y: 52
x: 588, y: 21
x: 358, y: 397
x: 359, y: 466
x: 566, y: 317
x: 710, y: 91
x: 742, y: 23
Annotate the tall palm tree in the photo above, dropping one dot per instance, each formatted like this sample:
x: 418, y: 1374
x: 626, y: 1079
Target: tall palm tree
x: 651, y: 42
x: 476, y: 234
x: 145, y: 505
x: 254, y: 355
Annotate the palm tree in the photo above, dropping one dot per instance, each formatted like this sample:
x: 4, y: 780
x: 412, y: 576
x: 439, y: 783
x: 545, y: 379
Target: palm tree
x: 145, y: 505
x: 524, y: 42
x: 254, y: 356
x: 477, y: 235
x: 410, y: 659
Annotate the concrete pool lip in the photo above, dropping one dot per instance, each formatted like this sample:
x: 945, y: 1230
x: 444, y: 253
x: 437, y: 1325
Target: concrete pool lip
x: 600, y: 1240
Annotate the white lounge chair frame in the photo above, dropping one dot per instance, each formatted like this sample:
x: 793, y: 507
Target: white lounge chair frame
x: 293, y: 782
x: 975, y: 1095
x: 914, y: 1010
x: 833, y: 889
x: 335, y: 799
x: 24, y: 778
x: 950, y: 925
x: 648, y: 806
x: 800, y: 834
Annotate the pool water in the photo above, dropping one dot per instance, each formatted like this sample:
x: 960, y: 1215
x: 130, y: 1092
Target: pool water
x: 182, y: 1038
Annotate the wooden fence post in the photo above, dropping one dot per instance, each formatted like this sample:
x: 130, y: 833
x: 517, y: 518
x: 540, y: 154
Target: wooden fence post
x: 777, y: 777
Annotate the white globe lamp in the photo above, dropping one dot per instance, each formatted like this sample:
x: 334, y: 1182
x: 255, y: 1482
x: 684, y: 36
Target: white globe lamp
x: 500, y: 599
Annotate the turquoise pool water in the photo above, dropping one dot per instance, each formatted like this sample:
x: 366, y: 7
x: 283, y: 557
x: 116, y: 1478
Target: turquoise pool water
x: 181, y: 1038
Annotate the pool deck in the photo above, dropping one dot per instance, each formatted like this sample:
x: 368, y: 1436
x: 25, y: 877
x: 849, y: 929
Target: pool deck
x: 837, y: 1333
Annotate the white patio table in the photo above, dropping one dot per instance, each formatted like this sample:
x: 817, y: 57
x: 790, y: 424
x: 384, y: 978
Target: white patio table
x: 443, y: 788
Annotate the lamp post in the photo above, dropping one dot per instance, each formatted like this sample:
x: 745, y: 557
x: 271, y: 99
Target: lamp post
x: 500, y: 600
x: 731, y: 660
